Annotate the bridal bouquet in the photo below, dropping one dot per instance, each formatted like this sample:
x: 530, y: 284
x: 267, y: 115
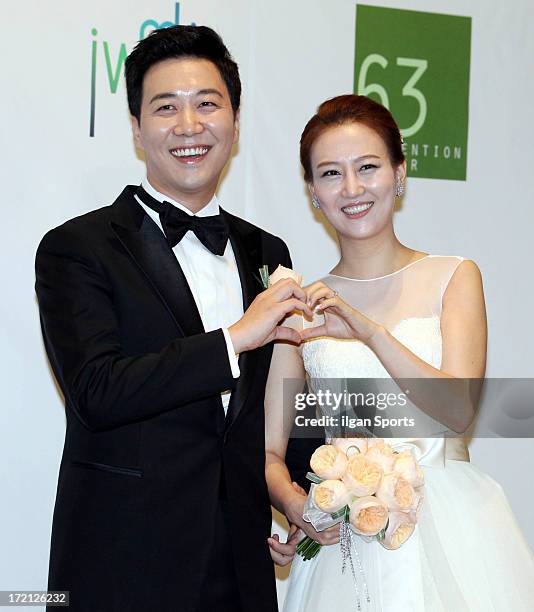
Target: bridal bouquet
x: 375, y: 489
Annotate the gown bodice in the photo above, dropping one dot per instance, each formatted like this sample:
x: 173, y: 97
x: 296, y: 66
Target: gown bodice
x: 408, y: 303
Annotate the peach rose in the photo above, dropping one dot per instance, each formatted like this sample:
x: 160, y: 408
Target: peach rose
x: 350, y: 446
x: 396, y: 492
x: 281, y: 272
x: 330, y: 496
x: 328, y: 462
x: 382, y: 454
x: 368, y: 515
x: 362, y: 476
x: 400, y: 528
x: 408, y: 468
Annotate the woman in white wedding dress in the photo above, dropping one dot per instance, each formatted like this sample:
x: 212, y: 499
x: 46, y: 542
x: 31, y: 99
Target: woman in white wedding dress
x: 384, y: 311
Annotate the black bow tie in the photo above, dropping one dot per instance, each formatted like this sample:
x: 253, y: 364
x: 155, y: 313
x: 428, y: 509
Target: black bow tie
x: 211, y: 231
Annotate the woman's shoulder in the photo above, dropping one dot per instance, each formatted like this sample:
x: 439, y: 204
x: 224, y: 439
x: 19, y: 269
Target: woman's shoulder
x: 456, y: 264
x: 465, y: 277
x: 453, y: 272
x: 437, y: 259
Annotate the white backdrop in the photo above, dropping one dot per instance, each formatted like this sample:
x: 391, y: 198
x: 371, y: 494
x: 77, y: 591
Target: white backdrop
x: 292, y: 55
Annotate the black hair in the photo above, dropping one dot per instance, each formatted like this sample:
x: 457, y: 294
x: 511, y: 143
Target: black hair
x: 179, y: 41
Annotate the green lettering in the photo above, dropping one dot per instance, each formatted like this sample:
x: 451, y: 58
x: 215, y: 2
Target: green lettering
x: 113, y: 77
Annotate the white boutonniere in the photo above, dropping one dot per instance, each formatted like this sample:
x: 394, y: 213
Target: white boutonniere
x: 280, y: 273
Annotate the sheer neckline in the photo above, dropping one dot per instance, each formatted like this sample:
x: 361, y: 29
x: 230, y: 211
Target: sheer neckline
x: 366, y: 280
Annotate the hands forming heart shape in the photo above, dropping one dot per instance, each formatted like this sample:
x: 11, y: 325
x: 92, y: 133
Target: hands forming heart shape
x: 340, y: 319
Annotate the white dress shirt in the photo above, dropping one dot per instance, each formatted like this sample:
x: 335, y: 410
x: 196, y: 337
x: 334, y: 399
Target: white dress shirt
x: 213, y: 279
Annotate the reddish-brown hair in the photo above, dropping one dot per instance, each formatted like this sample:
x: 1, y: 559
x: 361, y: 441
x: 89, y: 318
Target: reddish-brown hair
x: 351, y: 109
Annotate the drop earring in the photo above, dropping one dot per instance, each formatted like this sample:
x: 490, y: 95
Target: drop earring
x: 399, y: 188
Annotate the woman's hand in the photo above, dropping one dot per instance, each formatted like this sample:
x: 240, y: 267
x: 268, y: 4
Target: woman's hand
x: 341, y: 320
x: 294, y: 512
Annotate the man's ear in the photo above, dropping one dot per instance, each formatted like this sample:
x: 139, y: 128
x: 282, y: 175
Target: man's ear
x: 237, y: 119
x: 136, y: 131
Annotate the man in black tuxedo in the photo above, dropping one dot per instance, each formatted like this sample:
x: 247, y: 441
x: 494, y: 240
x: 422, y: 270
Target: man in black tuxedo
x: 159, y: 333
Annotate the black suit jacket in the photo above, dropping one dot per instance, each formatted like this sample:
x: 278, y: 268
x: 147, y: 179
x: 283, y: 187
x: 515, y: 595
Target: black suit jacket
x: 147, y: 443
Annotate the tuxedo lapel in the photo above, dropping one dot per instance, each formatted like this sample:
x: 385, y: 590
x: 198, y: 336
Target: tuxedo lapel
x: 246, y: 244
x: 147, y: 246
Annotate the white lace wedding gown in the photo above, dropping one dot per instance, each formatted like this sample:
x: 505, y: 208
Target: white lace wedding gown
x: 467, y: 552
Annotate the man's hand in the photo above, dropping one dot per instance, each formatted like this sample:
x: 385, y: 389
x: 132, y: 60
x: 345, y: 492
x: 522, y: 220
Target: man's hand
x: 282, y: 554
x: 260, y: 323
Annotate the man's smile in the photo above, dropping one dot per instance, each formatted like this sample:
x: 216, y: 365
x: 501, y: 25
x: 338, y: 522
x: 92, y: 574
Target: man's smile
x: 190, y: 155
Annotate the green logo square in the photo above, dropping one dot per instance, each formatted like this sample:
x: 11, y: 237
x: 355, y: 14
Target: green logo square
x: 417, y: 64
